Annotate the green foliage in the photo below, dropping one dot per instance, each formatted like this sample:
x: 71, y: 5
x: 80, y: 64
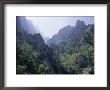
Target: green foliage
x: 68, y: 60
x: 27, y: 60
x: 77, y: 59
x: 89, y: 53
x: 43, y: 68
x: 74, y: 69
x: 27, y: 53
x: 89, y: 38
x: 75, y: 62
x: 21, y: 69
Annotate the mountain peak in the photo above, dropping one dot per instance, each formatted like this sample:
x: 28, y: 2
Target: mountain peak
x: 80, y: 23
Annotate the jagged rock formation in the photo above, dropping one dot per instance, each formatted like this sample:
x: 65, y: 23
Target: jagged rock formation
x: 69, y: 33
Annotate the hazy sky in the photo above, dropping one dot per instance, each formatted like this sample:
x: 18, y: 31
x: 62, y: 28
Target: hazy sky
x: 51, y: 25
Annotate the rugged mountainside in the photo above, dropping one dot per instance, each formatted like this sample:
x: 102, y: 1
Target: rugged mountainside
x: 70, y: 51
x: 36, y: 41
x: 69, y: 33
x: 63, y: 34
x: 75, y: 48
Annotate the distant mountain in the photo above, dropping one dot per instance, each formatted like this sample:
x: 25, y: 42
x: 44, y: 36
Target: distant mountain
x: 38, y: 44
x: 70, y: 34
x: 63, y: 34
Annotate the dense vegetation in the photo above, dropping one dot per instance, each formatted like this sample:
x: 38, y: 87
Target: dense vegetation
x: 78, y: 58
x: 27, y: 60
x: 70, y: 51
x: 33, y: 56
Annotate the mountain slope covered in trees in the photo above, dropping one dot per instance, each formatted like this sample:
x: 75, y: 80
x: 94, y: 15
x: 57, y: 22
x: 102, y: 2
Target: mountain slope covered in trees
x: 70, y: 51
x: 75, y: 47
x: 33, y: 56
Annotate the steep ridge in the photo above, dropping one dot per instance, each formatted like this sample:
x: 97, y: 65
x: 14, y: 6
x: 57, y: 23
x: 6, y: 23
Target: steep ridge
x: 38, y: 44
x: 69, y: 33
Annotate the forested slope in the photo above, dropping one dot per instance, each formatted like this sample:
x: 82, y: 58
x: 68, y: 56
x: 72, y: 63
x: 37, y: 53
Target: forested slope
x: 75, y: 47
x: 33, y: 56
x: 70, y: 51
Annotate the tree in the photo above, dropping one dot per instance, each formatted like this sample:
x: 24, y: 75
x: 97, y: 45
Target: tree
x: 89, y: 38
x: 26, y: 56
x: 27, y: 60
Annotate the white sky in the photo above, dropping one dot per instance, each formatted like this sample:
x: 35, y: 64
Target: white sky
x: 52, y: 24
